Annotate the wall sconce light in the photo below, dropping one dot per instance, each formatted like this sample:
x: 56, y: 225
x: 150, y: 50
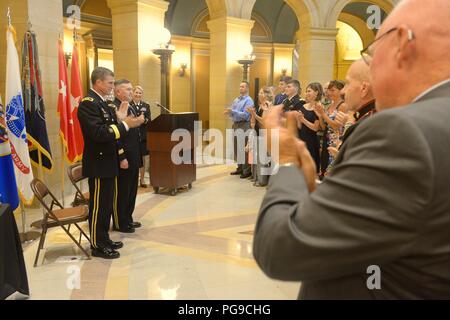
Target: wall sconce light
x: 246, y: 62
x: 283, y: 72
x: 182, y: 70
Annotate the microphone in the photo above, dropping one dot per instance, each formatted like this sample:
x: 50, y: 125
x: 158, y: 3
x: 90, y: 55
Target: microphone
x: 162, y: 107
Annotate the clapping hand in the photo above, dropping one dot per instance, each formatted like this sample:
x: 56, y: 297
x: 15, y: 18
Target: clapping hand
x: 250, y: 110
x: 300, y: 116
x: 291, y: 148
x: 342, y: 118
x: 333, y: 152
x: 319, y: 109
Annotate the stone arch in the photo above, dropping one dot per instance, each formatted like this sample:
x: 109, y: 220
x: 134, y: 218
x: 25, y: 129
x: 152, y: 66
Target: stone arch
x: 307, y: 12
x: 349, y: 43
x: 333, y: 14
x: 360, y: 26
x: 231, y: 8
x: 261, y: 31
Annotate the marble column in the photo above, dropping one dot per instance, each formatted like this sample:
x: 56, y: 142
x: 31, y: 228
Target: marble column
x: 316, y: 56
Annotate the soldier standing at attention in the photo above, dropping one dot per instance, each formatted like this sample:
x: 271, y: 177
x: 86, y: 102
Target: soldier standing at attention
x: 102, y: 127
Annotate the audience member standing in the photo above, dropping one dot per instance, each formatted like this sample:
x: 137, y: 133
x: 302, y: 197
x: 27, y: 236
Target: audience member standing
x: 332, y: 127
x: 241, y: 122
x: 308, y: 121
x: 279, y: 98
x: 293, y: 101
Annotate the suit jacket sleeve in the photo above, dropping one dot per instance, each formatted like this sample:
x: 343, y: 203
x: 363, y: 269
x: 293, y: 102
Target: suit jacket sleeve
x: 368, y: 212
x: 93, y: 125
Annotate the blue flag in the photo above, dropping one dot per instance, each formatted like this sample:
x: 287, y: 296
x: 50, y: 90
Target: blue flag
x: 33, y: 103
x: 8, y: 186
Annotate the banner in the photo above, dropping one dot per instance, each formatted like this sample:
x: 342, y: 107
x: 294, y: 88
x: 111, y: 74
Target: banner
x: 15, y: 121
x: 34, y: 103
x: 76, y: 94
x: 66, y: 128
x: 8, y: 186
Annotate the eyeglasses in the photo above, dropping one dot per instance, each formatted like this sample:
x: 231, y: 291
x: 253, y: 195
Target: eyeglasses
x: 367, y: 53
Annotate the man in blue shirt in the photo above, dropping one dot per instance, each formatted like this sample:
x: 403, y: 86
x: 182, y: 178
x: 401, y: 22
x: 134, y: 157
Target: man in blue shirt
x: 241, y: 120
x: 279, y: 99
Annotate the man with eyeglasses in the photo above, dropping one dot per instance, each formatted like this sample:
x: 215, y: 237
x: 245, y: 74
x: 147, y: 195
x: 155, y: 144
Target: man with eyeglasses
x: 378, y: 227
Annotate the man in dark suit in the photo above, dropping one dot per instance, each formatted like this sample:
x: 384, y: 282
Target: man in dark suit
x: 102, y: 127
x: 378, y: 227
x: 130, y: 162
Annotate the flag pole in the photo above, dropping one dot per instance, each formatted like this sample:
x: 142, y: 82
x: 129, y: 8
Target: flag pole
x: 62, y: 171
x: 41, y: 170
x: 25, y: 236
x: 8, y: 15
x: 30, y: 236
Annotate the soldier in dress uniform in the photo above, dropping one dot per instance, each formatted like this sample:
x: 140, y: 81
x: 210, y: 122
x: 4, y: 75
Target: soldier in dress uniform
x: 102, y: 127
x: 293, y: 102
x: 142, y: 108
x: 130, y: 162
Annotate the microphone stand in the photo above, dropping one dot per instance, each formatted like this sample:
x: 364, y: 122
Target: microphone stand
x: 162, y: 107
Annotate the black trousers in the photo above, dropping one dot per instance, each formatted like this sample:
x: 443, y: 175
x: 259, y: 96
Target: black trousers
x: 245, y: 168
x: 126, y: 199
x: 101, y: 195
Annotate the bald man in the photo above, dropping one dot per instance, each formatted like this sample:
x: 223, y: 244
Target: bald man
x: 358, y: 95
x: 378, y: 227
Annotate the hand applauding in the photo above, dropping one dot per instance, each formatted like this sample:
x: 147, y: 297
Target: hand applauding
x: 319, y: 109
x: 342, y: 118
x: 291, y: 148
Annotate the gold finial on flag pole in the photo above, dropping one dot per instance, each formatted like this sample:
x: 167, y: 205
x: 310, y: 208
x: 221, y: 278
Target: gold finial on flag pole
x: 8, y: 15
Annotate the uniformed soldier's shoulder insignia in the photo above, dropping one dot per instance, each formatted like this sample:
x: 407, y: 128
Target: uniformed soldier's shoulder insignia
x: 88, y: 99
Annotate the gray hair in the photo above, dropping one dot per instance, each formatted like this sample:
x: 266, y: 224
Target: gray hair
x: 121, y: 81
x: 100, y: 73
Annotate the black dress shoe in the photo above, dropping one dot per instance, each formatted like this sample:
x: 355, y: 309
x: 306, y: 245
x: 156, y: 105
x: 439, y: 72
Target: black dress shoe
x: 105, y: 253
x: 235, y: 173
x: 115, y: 245
x: 245, y: 176
x: 127, y: 229
x: 135, y: 225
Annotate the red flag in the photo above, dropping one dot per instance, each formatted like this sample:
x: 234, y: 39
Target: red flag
x: 76, y: 94
x: 65, y: 110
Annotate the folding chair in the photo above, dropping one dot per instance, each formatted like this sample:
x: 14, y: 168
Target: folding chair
x: 60, y: 217
x: 75, y: 174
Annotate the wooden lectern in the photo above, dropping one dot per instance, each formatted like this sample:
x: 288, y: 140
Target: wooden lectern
x: 163, y: 172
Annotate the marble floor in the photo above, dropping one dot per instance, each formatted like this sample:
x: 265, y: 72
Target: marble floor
x: 195, y: 246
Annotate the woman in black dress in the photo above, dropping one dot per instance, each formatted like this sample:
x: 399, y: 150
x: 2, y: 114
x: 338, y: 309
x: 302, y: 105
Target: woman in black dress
x: 308, y: 121
x: 142, y: 108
